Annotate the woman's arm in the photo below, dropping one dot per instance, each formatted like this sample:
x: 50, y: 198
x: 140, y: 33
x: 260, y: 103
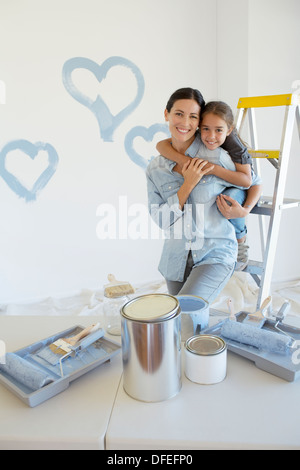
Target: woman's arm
x: 235, y: 210
x: 164, y: 213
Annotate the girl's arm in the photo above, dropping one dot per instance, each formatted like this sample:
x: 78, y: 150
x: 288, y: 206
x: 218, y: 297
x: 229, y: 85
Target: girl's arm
x: 240, y: 177
x: 165, y: 148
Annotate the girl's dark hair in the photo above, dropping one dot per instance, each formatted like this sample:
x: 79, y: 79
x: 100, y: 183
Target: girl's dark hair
x: 221, y: 109
x: 185, y: 94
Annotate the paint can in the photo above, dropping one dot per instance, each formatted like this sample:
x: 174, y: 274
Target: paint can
x: 151, y: 347
x: 205, y: 359
x: 194, y: 315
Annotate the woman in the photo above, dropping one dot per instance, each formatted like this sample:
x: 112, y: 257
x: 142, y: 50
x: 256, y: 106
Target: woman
x: 200, y: 249
x: 217, y: 124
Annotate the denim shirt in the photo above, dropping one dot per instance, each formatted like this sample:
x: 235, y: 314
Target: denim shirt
x: 199, y: 227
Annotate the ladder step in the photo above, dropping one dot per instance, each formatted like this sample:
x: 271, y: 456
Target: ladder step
x: 254, y: 267
x: 268, y: 101
x: 265, y: 205
x: 261, y: 271
x: 264, y: 153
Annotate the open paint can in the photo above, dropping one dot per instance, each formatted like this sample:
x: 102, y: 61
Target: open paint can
x: 205, y: 359
x: 151, y: 347
x: 194, y: 315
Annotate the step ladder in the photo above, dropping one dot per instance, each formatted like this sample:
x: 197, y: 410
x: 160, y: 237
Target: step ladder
x: 271, y: 207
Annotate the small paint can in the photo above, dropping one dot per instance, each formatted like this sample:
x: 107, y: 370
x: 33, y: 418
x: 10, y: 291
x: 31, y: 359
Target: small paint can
x: 205, y: 359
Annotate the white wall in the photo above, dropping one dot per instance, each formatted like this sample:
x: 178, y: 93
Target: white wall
x: 226, y: 48
x: 274, y: 64
x: 258, y: 54
x: 49, y: 246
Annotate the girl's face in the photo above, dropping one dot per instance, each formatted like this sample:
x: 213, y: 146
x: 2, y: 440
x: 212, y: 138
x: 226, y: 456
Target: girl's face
x: 214, y: 131
x: 183, y: 122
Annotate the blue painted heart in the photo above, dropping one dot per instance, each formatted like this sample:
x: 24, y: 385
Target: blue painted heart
x: 32, y: 150
x: 106, y: 121
x: 147, y: 134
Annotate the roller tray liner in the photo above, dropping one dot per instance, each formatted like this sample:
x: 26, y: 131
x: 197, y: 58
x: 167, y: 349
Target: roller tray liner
x: 94, y: 355
x: 283, y: 366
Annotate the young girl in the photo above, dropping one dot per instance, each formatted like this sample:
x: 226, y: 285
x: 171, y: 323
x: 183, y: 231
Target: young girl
x: 216, y: 125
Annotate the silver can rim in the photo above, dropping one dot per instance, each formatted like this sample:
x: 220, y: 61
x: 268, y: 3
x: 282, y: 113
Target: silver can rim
x: 167, y: 316
x: 217, y: 339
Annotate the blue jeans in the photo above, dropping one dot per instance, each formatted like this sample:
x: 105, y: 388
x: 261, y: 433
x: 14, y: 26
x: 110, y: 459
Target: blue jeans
x: 204, y: 280
x: 238, y: 195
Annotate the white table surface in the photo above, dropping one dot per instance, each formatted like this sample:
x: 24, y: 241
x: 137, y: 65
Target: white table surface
x: 250, y: 409
x: 76, y: 418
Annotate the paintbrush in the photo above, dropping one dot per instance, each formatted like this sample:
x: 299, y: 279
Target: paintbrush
x: 258, y: 318
x: 66, y: 346
x: 117, y: 288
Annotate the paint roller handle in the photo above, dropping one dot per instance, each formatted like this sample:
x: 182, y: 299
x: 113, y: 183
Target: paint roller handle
x: 283, y: 311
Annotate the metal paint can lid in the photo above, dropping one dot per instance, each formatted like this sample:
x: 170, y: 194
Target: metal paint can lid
x: 205, y: 345
x: 151, y: 308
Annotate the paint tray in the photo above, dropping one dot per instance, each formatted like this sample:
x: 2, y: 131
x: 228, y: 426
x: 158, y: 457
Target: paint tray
x: 93, y: 356
x: 286, y: 367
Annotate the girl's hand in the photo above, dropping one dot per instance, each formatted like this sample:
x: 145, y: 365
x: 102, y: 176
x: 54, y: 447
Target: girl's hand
x: 194, y: 170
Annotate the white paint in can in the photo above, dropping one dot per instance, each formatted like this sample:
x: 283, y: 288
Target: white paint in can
x: 205, y: 359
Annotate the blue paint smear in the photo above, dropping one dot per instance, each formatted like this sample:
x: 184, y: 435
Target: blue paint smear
x: 31, y: 150
x: 106, y: 121
x: 147, y: 134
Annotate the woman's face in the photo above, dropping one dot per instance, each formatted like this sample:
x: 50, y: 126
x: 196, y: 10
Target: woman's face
x: 183, y: 122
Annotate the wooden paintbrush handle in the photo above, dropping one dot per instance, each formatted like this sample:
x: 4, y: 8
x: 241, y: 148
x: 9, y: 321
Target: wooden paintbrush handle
x: 265, y: 304
x: 111, y: 278
x: 74, y: 339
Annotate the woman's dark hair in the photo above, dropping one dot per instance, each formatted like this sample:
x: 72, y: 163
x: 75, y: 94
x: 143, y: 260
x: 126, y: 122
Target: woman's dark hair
x: 185, y: 94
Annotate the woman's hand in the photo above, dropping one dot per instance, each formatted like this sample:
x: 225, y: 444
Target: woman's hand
x: 194, y: 170
x: 232, y: 211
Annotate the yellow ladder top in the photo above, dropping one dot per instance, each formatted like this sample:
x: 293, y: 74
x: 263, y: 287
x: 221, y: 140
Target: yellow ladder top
x: 268, y: 101
x: 264, y: 153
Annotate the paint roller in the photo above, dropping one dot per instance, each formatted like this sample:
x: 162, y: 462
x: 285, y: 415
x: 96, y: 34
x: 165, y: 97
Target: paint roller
x: 261, y: 339
x: 25, y: 372
x: 252, y: 334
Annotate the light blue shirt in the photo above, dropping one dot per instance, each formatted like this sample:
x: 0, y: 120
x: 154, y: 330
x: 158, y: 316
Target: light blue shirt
x: 199, y: 227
